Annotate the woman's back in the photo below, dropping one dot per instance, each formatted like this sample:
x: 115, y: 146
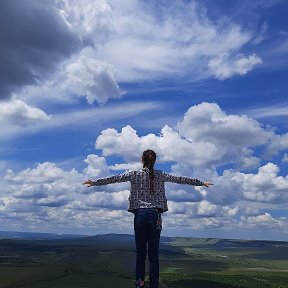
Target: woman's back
x: 141, y: 195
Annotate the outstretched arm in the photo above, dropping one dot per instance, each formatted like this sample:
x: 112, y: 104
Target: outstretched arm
x: 184, y: 180
x: 124, y: 177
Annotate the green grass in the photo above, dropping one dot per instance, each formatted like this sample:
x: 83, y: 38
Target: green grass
x: 77, y: 281
x: 229, y: 280
x: 12, y: 275
x: 185, y: 263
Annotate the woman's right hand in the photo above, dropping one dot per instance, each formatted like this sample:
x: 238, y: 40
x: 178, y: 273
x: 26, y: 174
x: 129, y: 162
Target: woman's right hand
x: 89, y: 183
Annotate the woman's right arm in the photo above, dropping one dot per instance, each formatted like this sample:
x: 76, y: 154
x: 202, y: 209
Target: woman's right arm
x: 124, y: 177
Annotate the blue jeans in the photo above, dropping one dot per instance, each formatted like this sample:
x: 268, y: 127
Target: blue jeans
x: 147, y: 228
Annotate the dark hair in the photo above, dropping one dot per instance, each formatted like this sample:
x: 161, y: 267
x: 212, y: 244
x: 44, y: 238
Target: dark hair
x: 149, y: 159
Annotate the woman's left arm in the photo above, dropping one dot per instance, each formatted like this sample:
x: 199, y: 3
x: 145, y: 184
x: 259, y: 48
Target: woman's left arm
x: 184, y: 180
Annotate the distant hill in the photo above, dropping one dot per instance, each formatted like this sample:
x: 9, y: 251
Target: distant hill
x: 106, y: 238
x: 36, y: 236
x: 128, y: 239
x: 215, y: 243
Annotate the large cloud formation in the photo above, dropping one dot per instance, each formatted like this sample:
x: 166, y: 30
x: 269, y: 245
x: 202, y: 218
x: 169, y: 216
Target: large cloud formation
x: 44, y: 47
x: 239, y: 199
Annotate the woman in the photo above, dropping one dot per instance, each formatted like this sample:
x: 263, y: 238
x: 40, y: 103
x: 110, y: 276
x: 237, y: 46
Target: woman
x: 147, y: 201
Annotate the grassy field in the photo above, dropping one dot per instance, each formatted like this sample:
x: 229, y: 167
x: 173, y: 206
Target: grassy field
x: 109, y: 261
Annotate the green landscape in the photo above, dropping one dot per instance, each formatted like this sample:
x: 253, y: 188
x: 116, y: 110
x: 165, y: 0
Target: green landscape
x: 109, y: 260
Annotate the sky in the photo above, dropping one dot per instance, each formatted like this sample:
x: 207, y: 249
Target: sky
x: 86, y: 86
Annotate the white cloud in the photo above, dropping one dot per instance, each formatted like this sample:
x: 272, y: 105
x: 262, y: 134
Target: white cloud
x: 208, y: 122
x: 48, y: 194
x: 116, y: 200
x: 126, y: 166
x: 45, y: 185
x: 151, y: 48
x: 206, y: 209
x: 264, y: 221
x: 46, y: 172
x: 247, y: 161
x: 155, y: 46
x: 129, y: 145
x: 17, y: 112
x: 89, y: 77
x: 285, y: 158
x: 181, y: 193
x: 52, y: 197
x: 278, y: 143
x: 271, y: 111
x: 85, y: 117
x: 52, y: 201
x: 264, y: 186
x: 82, y: 75
x: 206, y: 136
x: 223, y: 67
x: 164, y: 42
x: 97, y: 166
x: 89, y: 20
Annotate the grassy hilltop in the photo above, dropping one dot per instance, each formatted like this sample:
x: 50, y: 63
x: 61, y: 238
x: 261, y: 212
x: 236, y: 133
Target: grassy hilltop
x: 109, y: 260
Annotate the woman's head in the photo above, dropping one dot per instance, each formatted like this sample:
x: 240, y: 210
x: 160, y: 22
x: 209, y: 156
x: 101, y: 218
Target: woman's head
x: 148, y: 158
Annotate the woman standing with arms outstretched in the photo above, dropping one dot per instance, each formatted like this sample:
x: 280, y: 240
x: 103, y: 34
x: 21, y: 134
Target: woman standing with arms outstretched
x: 147, y: 201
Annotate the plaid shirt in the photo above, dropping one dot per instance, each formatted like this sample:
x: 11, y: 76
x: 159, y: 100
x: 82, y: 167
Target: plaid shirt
x: 140, y: 195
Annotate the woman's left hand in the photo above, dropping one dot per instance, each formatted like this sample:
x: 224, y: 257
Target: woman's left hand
x: 207, y: 184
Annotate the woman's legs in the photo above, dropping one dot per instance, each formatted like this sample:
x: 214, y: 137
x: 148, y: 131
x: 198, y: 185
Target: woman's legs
x: 140, y: 231
x: 147, y: 228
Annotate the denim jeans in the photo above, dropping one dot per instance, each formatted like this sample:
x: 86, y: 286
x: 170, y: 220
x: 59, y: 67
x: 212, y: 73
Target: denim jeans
x: 147, y: 228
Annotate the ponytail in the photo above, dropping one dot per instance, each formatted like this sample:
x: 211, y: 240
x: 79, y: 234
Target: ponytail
x: 148, y: 159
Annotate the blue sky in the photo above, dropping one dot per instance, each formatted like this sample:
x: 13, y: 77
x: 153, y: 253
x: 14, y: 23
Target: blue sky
x: 86, y: 86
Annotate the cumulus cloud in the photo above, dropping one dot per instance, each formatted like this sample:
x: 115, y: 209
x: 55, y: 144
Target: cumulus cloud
x: 46, y: 183
x: 115, y: 200
x: 206, y: 209
x: 47, y: 195
x: 34, y: 195
x: 44, y: 172
x: 211, y: 123
x: 264, y: 186
x: 97, y: 166
x: 82, y: 75
x: 52, y: 201
x: 89, y: 77
x: 19, y: 113
x: 205, y: 137
x: 264, y: 221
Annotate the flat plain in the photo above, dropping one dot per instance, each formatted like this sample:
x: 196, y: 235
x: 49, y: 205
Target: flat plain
x: 109, y: 260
